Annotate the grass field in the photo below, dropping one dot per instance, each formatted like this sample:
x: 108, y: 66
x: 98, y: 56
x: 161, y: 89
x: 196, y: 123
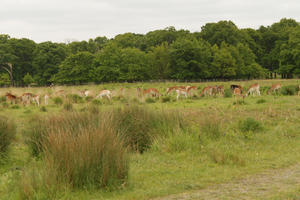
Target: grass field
x: 170, y: 146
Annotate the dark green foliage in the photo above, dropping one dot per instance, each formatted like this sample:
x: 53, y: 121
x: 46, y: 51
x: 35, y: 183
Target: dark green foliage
x: 259, y: 101
x: 227, y: 93
x: 250, y: 124
x: 2, y: 99
x: 97, y: 102
x: 150, y: 100
x: 165, y: 99
x: 43, y: 109
x: 15, y: 106
x: 289, y: 90
x: 75, y: 98
x: 57, y: 100
x: 7, y: 133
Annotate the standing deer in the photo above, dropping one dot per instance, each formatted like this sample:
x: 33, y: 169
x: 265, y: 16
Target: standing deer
x: 206, y: 91
x: 180, y: 91
x: 274, y: 88
x: 237, y: 92
x: 220, y: 90
x: 253, y: 90
x: 11, y: 98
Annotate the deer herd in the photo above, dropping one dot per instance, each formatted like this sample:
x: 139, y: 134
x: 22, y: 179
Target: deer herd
x: 184, y: 91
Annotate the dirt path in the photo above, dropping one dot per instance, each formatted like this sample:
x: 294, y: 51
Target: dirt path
x: 260, y: 186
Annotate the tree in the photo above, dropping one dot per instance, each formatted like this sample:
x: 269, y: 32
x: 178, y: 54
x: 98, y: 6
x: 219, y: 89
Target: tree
x: 75, y: 69
x: 4, y: 79
x: 190, y: 59
x: 160, y: 61
x: 28, y: 79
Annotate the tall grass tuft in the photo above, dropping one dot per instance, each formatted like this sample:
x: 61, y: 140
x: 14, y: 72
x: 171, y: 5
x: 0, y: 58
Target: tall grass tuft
x: 250, y: 124
x: 75, y: 98
x: 211, y: 129
x: 58, y: 101
x: 81, y: 150
x: 227, y: 93
x: 289, y: 90
x: 7, y: 133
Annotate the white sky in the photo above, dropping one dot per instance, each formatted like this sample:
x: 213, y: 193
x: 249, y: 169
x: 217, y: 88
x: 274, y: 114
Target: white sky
x: 61, y: 20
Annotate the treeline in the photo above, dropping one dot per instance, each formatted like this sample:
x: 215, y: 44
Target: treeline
x: 219, y: 51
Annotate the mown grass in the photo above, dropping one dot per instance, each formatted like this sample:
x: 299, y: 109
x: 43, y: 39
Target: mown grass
x: 217, y: 142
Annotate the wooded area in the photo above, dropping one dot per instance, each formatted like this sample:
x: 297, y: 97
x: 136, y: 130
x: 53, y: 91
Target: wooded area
x: 219, y: 51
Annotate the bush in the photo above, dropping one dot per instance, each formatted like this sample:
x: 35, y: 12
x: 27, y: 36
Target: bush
x: 43, y: 109
x: 165, y: 99
x: 250, y: 124
x: 57, y: 101
x: 150, y: 100
x: 227, y: 93
x: 75, y: 98
x: 139, y: 126
x: 7, y: 133
x: 259, y: 101
x: 289, y: 90
x: 80, y: 150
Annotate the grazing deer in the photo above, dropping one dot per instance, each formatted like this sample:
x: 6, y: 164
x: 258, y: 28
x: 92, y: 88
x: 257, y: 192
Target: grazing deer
x: 274, y: 88
x: 237, y: 92
x: 206, y: 91
x: 170, y: 89
x: 84, y: 93
x: 236, y: 86
x: 220, y: 90
x: 254, y: 90
x: 181, y: 91
x: 11, y: 98
x: 103, y: 93
x: 150, y: 91
x: 190, y: 88
x: 26, y: 98
x: 36, y: 99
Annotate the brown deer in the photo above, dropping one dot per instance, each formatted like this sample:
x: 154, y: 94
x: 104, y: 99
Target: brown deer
x: 274, y: 88
x: 26, y: 98
x: 253, y: 90
x: 105, y: 93
x: 237, y: 92
x: 10, y: 97
x: 206, y: 91
x: 220, y: 90
x: 180, y: 91
x: 190, y: 88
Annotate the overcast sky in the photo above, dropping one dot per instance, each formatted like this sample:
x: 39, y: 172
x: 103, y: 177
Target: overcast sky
x: 63, y: 20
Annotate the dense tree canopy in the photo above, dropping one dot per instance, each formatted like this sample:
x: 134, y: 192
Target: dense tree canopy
x: 219, y: 51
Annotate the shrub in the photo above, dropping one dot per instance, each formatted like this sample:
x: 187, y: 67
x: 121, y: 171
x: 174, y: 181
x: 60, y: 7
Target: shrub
x: 97, y: 102
x: 74, y: 98
x: 150, y: 100
x: 80, y: 150
x: 43, y: 109
x: 250, y: 124
x: 259, y: 101
x: 165, y: 99
x: 7, y: 133
x: 289, y: 90
x: 15, y: 106
x: 57, y: 101
x: 227, y: 93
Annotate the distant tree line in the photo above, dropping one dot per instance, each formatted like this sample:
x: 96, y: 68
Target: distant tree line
x: 219, y: 51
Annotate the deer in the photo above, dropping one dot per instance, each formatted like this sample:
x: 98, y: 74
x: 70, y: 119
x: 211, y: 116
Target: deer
x: 220, y: 90
x: 206, y: 91
x: 10, y: 97
x: 84, y: 93
x: 254, y: 90
x: 103, y: 93
x: 150, y: 91
x: 180, y: 91
x: 26, y: 98
x: 236, y: 86
x: 174, y: 88
x: 274, y: 88
x: 36, y: 99
x: 237, y: 92
x: 190, y: 88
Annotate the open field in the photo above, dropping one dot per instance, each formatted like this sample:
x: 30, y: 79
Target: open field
x: 185, y: 146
